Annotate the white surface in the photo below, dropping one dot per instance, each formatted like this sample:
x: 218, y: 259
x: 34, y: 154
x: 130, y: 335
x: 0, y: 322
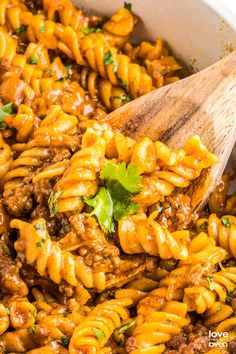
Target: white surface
x: 198, y: 31
x: 230, y: 4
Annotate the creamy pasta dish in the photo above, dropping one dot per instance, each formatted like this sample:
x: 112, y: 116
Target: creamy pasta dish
x: 100, y: 250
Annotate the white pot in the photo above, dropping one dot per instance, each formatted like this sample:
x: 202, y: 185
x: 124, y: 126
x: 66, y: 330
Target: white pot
x: 199, y: 32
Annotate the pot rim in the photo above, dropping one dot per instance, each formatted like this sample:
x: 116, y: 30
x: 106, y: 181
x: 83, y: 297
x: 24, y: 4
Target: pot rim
x: 223, y: 11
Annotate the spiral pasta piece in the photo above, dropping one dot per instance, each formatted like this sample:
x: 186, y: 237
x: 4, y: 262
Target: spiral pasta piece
x: 68, y: 13
x: 36, y: 246
x: 111, y: 96
x: 221, y: 230
x: 214, y: 286
x: 4, y: 319
x: 121, y: 23
x: 157, y: 322
x: 23, y: 122
x: 139, y: 234
x: 160, y: 65
x: 177, y: 168
x: 91, y: 335
x: 27, y: 162
x: 5, y: 157
x: 80, y: 179
x: 115, y: 67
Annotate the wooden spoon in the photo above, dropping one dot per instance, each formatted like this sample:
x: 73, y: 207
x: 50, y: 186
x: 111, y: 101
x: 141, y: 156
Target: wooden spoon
x: 203, y: 104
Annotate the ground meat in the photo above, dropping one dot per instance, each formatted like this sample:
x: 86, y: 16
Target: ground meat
x: 131, y: 344
x: 19, y: 201
x: 4, y: 220
x: 168, y: 264
x: 10, y: 279
x: 192, y: 340
x: 233, y: 305
x: 175, y: 212
x: 41, y: 191
x: 42, y: 211
x: 232, y: 347
x: 230, y: 263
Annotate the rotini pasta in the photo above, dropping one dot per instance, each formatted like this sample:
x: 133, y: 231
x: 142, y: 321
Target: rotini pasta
x: 97, y: 253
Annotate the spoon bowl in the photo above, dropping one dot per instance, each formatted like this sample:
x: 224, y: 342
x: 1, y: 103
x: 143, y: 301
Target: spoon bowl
x: 202, y: 104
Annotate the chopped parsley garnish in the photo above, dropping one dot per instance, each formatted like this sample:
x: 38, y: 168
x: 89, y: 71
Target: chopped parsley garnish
x: 38, y: 244
x: 33, y: 329
x: 99, y: 334
x: 128, y: 6
x: 63, y: 79
x: 127, y: 326
x: 225, y: 222
x: 204, y: 225
x: 22, y: 29
x: 65, y: 341
x: 52, y: 202
x: 68, y: 67
x: 211, y: 283
x: 128, y: 176
x: 126, y: 98
x: 6, y: 110
x: 39, y: 227
x: 113, y: 201
x: 42, y: 29
x: 108, y: 59
x: 230, y: 296
x: 33, y: 60
x: 123, y: 83
x: 88, y: 30
x: 103, y: 208
x: 8, y: 311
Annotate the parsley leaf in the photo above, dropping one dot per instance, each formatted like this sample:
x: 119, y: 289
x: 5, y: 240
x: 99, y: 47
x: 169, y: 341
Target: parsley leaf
x: 109, y: 60
x: 33, y: 60
x: 103, y: 208
x: 39, y: 227
x: 230, y: 296
x: 228, y: 299
x: 211, y: 283
x: 42, y: 29
x: 123, y: 98
x: 62, y: 79
x: 88, y: 30
x: 38, y: 244
x: 68, y: 67
x: 122, y: 204
x: 113, y: 201
x: 225, y: 222
x: 128, y: 6
x: 65, y: 341
x: 123, y: 83
x: 128, y: 177
x: 99, y: 334
x: 5, y: 110
x: 127, y: 326
x: 22, y: 29
x: 33, y: 329
x: 52, y: 202
x: 204, y: 225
